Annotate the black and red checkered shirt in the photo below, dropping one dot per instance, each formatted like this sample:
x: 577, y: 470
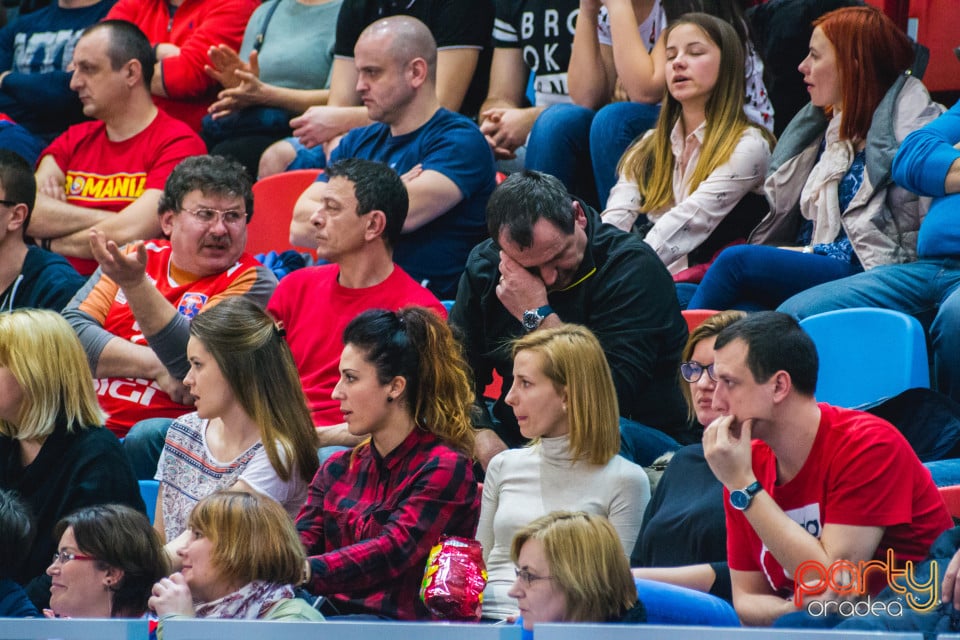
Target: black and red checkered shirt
x: 369, y: 522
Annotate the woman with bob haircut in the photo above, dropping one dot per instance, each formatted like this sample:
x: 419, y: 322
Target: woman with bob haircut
x: 251, y: 431
x: 242, y: 561
x: 107, y: 561
x: 565, y: 402
x: 697, y: 175
x: 570, y: 567
x: 53, y: 450
x: 374, y: 512
x: 832, y: 201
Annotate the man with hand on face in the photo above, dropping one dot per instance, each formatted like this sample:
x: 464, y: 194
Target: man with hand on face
x: 806, y: 482
x: 550, y: 260
x: 133, y: 315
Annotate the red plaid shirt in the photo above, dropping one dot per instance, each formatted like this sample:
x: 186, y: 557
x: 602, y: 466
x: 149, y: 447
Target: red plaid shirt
x: 369, y: 522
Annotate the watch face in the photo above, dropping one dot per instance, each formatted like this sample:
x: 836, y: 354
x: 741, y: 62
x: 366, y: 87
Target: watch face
x: 531, y: 320
x: 739, y: 499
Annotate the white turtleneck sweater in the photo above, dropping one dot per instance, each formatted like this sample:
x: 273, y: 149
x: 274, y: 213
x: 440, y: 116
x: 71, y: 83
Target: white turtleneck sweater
x: 523, y: 484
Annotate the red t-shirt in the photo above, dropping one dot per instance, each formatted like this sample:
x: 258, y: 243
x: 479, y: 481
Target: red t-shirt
x: 861, y: 471
x: 101, y: 174
x: 315, y: 310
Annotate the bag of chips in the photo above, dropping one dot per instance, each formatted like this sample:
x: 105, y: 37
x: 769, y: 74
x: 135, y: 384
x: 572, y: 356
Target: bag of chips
x: 454, y: 579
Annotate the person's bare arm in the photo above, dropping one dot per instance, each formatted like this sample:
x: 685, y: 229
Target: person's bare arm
x: 699, y: 577
x: 503, y: 122
x: 317, y: 124
x: 455, y: 69
x: 337, y: 435
x: 137, y: 221
x: 53, y: 216
x: 728, y: 452
x: 243, y: 87
x: 302, y: 233
x: 591, y: 74
x: 642, y: 74
x: 755, y: 603
x: 431, y: 195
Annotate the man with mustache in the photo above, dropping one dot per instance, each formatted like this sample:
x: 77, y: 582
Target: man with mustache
x: 133, y: 315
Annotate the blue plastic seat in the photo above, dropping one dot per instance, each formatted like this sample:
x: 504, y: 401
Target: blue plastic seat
x: 148, y: 491
x: 867, y: 355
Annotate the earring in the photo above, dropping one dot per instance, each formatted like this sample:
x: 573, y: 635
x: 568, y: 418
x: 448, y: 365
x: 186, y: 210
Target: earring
x: 389, y: 398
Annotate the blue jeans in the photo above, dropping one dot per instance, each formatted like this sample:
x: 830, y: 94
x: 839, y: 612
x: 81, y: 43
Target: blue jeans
x: 753, y: 277
x: 143, y: 445
x: 926, y: 289
x: 642, y: 444
x: 307, y: 157
x: 582, y: 147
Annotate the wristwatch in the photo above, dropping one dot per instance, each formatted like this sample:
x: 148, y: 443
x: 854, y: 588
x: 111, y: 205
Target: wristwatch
x: 741, y: 498
x: 533, y: 317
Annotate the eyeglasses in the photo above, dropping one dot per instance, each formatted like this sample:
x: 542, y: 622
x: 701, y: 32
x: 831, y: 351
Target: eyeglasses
x: 693, y: 370
x: 528, y: 578
x: 63, y: 557
x: 209, y: 215
x: 9, y: 203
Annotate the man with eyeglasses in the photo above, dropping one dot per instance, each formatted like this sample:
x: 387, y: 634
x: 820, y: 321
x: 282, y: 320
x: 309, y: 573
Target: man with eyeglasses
x: 108, y: 173
x: 133, y: 315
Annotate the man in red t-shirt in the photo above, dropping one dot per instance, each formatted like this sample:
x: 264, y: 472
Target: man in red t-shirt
x: 806, y: 482
x: 357, y: 223
x: 108, y: 173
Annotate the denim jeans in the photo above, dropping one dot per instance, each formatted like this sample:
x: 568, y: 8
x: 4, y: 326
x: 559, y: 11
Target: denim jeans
x: 926, y: 289
x: 143, y: 445
x: 753, y: 277
x: 582, y: 147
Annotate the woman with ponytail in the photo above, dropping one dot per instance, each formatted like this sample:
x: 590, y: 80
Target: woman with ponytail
x: 373, y: 512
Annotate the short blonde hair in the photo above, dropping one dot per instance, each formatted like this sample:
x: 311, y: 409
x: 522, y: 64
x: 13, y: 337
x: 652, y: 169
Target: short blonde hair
x: 587, y: 561
x: 47, y: 360
x: 253, y: 538
x: 574, y: 361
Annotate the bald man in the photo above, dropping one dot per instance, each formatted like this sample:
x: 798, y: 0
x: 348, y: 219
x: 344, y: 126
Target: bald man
x: 448, y: 167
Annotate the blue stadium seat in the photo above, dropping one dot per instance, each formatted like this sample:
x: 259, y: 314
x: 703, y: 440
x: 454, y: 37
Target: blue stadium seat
x: 867, y: 355
x: 148, y: 491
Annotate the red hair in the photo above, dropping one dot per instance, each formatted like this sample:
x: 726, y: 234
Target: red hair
x: 871, y: 52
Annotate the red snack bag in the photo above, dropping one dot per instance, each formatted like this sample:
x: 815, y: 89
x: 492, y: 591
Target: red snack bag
x: 454, y: 579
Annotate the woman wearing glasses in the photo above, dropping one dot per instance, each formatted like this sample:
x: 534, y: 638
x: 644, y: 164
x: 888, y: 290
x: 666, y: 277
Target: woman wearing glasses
x: 684, y: 530
x: 570, y: 567
x: 251, y: 431
x: 564, y: 400
x: 53, y: 451
x: 106, y: 563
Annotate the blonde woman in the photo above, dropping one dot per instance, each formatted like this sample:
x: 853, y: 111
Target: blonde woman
x: 53, y: 451
x: 570, y: 567
x: 242, y: 561
x: 564, y: 400
x: 692, y: 176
